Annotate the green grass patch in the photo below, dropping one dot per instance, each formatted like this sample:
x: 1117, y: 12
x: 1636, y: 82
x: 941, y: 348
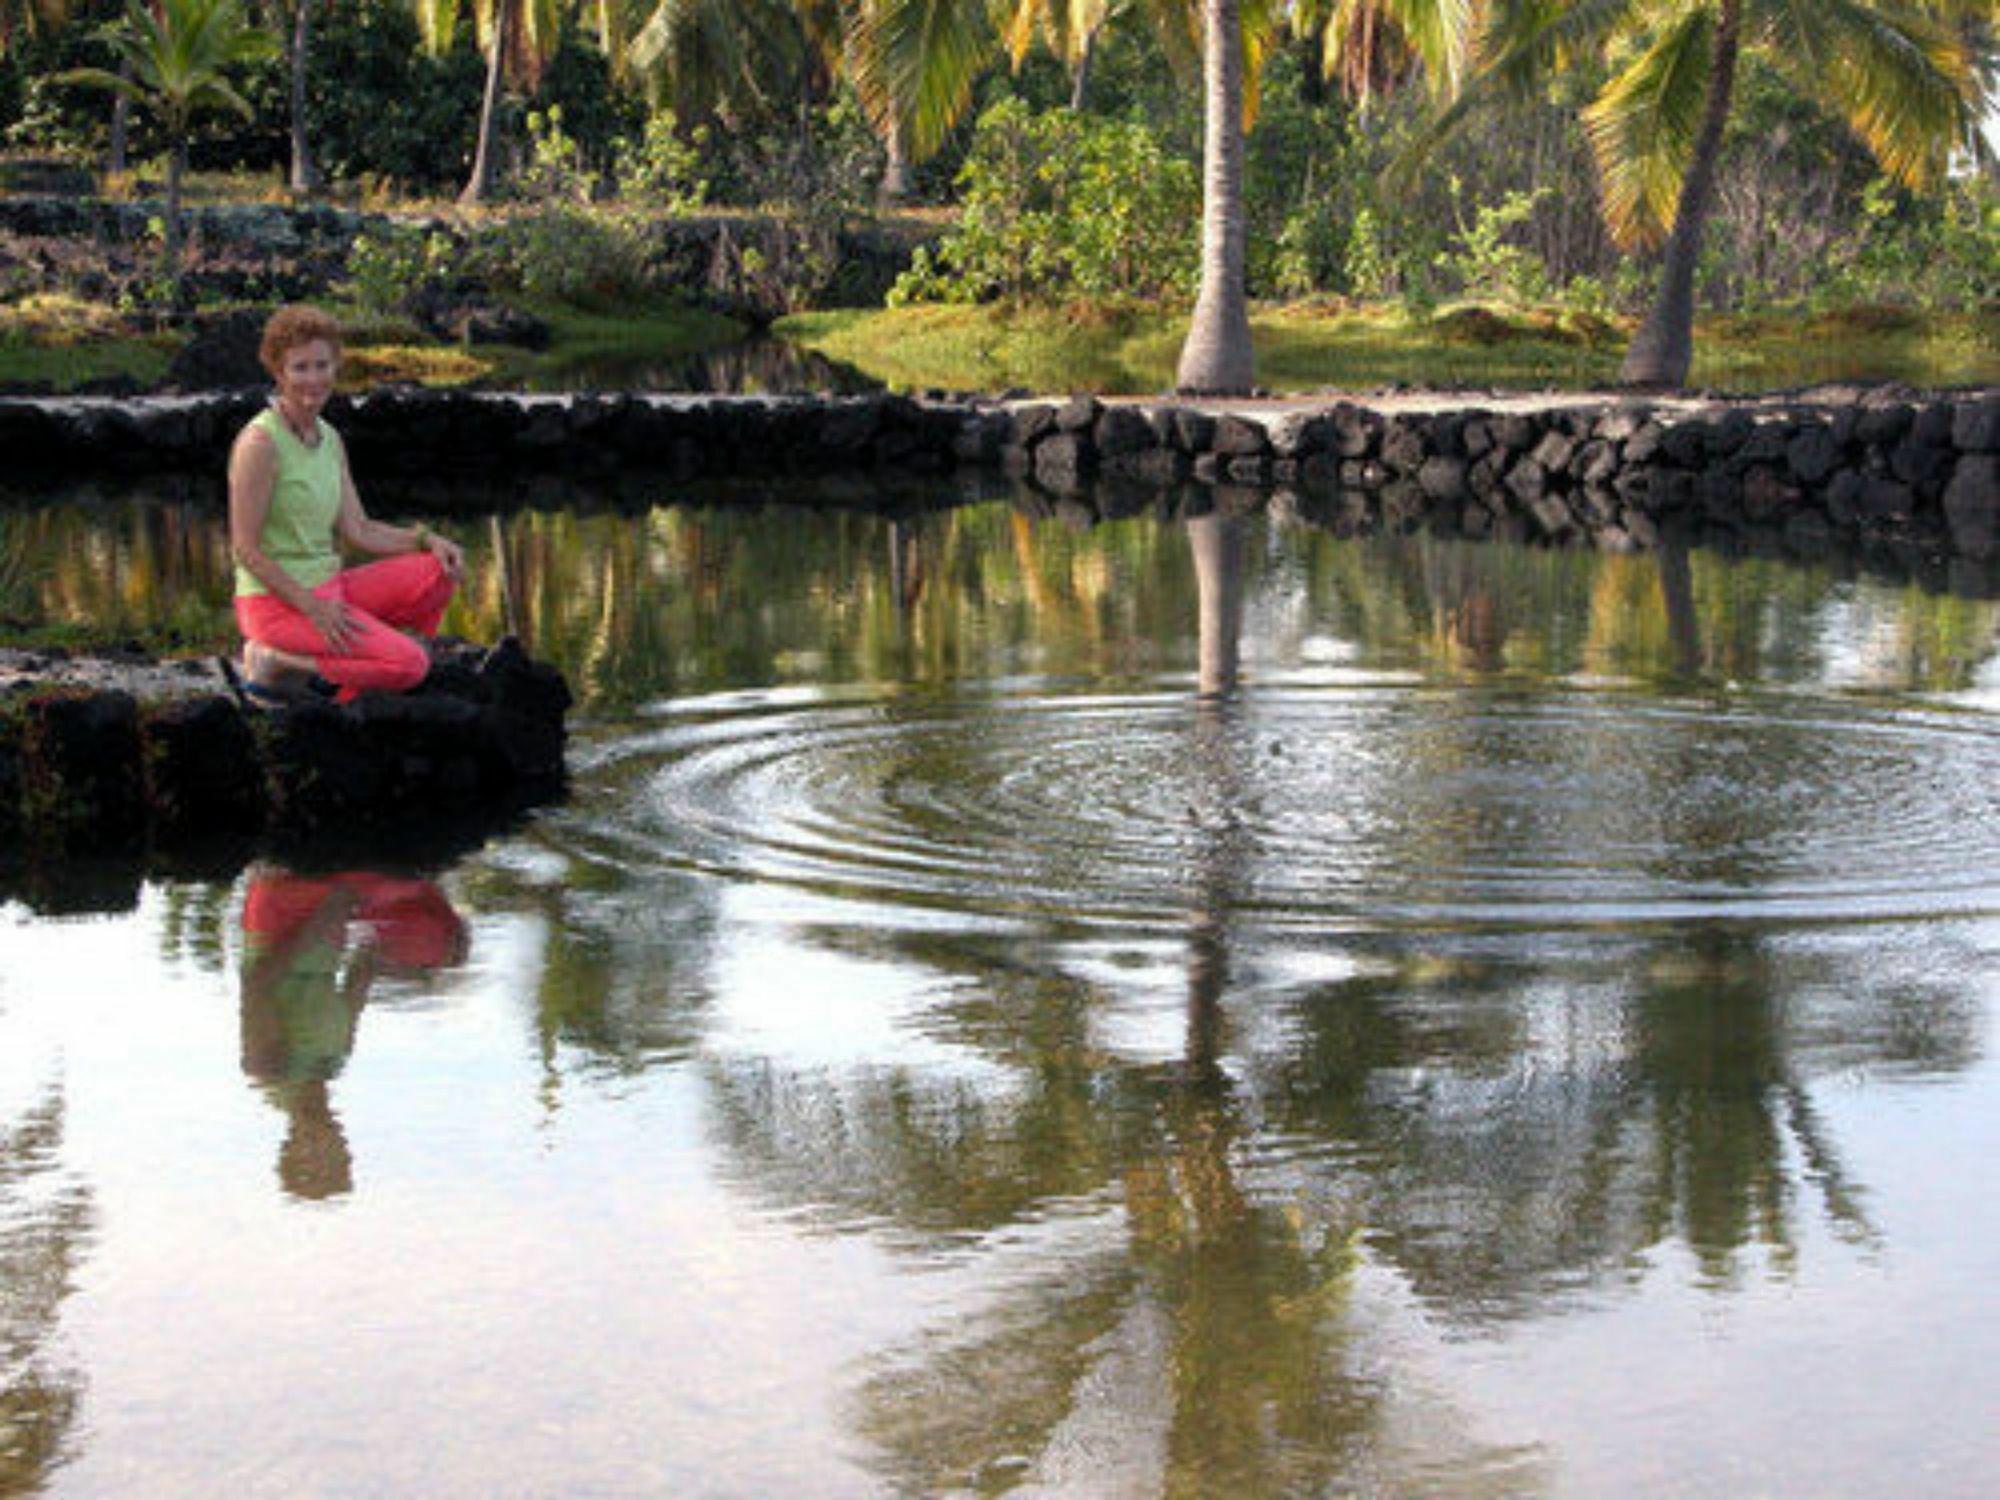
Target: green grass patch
x: 60, y: 341
x: 1778, y: 350
x: 993, y: 348
x: 365, y: 365
x: 1313, y: 346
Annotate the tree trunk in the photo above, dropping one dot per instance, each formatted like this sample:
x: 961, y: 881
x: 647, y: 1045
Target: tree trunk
x: 1663, y: 349
x: 176, y: 165
x: 1216, y: 360
x: 305, y: 176
x: 1683, y: 624
x: 1216, y: 544
x: 485, y: 162
x: 897, y: 184
x: 1079, y: 89
x: 121, y: 124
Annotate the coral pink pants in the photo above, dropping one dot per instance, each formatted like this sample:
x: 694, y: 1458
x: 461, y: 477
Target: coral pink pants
x: 383, y: 599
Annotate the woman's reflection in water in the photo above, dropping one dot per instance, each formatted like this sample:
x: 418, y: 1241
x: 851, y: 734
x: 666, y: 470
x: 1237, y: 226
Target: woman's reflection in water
x: 312, y: 947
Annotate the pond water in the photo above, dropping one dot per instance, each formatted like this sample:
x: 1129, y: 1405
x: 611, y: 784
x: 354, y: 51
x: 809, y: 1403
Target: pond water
x: 760, y: 366
x: 1195, y: 1008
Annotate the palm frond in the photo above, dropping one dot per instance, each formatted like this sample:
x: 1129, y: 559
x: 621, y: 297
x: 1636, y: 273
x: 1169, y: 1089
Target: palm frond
x: 437, y: 24
x: 916, y: 62
x: 1905, y: 78
x: 1642, y: 127
x: 1524, y: 42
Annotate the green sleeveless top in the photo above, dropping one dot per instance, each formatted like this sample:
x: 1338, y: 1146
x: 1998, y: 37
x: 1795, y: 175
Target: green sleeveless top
x: 305, y: 502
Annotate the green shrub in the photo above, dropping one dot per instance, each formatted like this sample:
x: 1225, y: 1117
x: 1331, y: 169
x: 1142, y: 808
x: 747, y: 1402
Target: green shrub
x: 385, y: 268
x: 584, y: 256
x: 1486, y: 259
x: 1059, y: 205
x: 663, y: 168
x: 1938, y: 254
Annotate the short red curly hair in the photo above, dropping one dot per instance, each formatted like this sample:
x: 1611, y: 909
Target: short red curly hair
x: 292, y: 326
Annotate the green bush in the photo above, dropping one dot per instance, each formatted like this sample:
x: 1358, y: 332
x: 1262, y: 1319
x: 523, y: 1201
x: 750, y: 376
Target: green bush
x: 1487, y: 260
x: 1059, y: 205
x: 584, y: 256
x: 385, y: 268
x: 1937, y: 253
x: 663, y: 168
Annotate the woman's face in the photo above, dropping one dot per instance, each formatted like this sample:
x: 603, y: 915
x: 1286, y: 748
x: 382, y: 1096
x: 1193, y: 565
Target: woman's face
x: 305, y: 376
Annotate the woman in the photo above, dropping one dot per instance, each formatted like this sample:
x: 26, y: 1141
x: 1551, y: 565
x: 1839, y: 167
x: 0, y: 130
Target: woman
x: 290, y: 494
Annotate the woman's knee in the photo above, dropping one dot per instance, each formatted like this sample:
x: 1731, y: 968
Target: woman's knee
x: 408, y: 664
x: 389, y: 661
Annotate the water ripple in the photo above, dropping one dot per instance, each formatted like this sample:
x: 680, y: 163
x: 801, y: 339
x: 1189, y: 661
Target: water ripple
x: 1324, y: 807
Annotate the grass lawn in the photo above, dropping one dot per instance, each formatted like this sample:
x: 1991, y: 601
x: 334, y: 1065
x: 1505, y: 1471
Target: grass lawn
x: 62, y: 342
x: 1312, y: 346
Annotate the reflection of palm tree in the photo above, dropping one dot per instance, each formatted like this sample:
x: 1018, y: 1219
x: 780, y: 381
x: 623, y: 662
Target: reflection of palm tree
x: 1216, y: 541
x: 1673, y: 1105
x: 312, y: 946
x: 1204, y: 1343
x: 45, y: 1225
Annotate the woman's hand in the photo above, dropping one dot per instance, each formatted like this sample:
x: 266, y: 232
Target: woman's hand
x: 331, y: 620
x: 449, y: 555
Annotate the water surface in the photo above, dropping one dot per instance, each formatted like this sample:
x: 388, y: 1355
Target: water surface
x: 1159, y: 1009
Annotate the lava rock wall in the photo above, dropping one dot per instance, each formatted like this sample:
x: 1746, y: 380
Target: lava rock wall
x: 104, y: 756
x: 1611, y: 474
x: 1917, y: 474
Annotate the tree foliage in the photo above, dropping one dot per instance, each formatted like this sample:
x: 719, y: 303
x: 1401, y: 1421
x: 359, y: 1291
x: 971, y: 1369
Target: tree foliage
x: 1060, y: 205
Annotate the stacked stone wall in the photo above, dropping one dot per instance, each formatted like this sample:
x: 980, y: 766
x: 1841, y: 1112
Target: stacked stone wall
x: 106, y: 755
x: 1916, y: 474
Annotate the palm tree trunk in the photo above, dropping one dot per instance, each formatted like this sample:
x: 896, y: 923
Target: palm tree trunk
x: 485, y: 162
x: 121, y: 124
x: 1216, y: 543
x: 1217, y: 359
x: 305, y: 176
x: 896, y: 184
x: 1079, y: 89
x: 176, y: 165
x: 1663, y: 349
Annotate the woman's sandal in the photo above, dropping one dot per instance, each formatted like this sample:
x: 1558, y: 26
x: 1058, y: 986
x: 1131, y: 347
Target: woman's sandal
x: 252, y: 694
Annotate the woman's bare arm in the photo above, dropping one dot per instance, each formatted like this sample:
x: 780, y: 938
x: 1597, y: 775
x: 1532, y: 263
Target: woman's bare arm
x: 361, y: 530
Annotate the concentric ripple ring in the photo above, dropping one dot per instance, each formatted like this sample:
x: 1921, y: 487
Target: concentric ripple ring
x: 1309, y: 806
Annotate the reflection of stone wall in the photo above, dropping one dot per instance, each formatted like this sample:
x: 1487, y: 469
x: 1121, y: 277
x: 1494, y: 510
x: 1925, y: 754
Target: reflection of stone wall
x: 106, y: 755
x: 1916, y: 475
x: 1616, y: 474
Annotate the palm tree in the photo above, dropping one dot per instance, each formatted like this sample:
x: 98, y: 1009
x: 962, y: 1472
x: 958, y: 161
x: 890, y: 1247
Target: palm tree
x: 702, y: 56
x: 500, y: 16
x: 1373, y: 47
x: 1071, y: 29
x: 305, y: 176
x: 521, y: 36
x: 914, y: 63
x: 1911, y: 77
x: 1217, y: 359
x: 177, y: 52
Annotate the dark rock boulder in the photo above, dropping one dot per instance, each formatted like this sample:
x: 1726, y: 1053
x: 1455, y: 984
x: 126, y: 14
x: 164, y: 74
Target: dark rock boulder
x: 201, y: 773
x: 1972, y: 505
x: 1122, y: 430
x: 222, y: 354
x: 1239, y: 437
